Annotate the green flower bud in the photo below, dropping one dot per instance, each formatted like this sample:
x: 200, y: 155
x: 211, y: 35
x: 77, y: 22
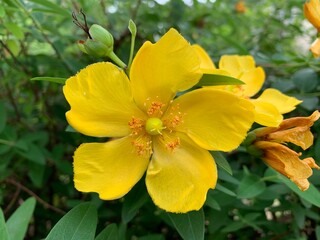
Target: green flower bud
x: 99, y: 43
x: 102, y: 35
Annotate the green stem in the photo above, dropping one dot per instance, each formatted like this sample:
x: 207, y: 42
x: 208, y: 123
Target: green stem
x: 117, y: 60
x: 133, y: 38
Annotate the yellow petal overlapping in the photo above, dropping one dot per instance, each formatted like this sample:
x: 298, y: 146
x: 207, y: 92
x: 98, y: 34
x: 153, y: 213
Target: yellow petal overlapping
x: 162, y: 69
x: 282, y: 102
x: 219, y: 124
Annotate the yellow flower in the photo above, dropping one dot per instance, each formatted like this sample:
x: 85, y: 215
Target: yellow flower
x: 153, y: 131
x: 280, y: 157
x: 270, y: 105
x: 311, y: 11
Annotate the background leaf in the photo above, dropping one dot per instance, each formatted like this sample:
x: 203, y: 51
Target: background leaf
x: 3, y: 228
x: 18, y: 222
x: 78, y: 224
x: 190, y: 225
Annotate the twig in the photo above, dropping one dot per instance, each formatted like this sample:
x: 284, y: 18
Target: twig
x: 40, y: 200
x: 13, y: 200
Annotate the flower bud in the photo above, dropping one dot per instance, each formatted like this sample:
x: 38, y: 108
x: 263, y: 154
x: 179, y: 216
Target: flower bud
x: 99, y: 43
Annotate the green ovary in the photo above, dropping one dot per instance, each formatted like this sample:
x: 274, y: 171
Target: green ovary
x: 154, y: 126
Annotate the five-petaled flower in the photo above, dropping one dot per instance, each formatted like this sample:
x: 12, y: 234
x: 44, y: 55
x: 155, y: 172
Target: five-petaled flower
x: 280, y: 157
x: 152, y: 130
x: 270, y: 105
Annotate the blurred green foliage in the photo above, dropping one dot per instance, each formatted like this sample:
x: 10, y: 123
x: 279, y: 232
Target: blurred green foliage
x: 38, y: 38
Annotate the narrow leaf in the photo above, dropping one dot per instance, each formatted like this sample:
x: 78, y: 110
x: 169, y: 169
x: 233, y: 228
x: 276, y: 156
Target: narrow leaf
x: 312, y: 195
x: 109, y: 233
x: 78, y: 224
x: 18, y: 222
x: 216, y: 79
x: 190, y: 225
x: 55, y: 7
x: 3, y: 228
x: 250, y: 186
x: 225, y: 190
x: 222, y: 161
x: 50, y: 79
x: 3, y: 116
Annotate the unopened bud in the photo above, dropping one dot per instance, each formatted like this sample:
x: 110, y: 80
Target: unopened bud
x: 99, y: 43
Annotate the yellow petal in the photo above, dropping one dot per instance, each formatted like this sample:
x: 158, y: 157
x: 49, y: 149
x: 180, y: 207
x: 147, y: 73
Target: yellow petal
x: 266, y: 114
x: 286, y: 162
x: 214, y: 119
x: 206, y: 62
x: 282, y: 102
x: 111, y: 169
x: 246, y: 62
x: 160, y: 70
x: 178, y: 180
x: 253, y: 79
x: 101, y: 101
x: 230, y: 64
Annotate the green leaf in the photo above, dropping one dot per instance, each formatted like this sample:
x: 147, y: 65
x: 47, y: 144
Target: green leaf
x: 318, y: 232
x: 234, y: 226
x: 299, y: 215
x: 222, y: 161
x: 225, y: 190
x: 211, y: 201
x: 216, y: 79
x: 14, y: 46
x: 109, y: 233
x: 250, y: 186
x: 306, y: 80
x: 3, y: 116
x: 152, y: 237
x: 14, y: 29
x: 311, y: 195
x: 50, y: 79
x: 78, y: 224
x: 3, y: 228
x: 309, y: 103
x: 2, y: 12
x: 133, y: 201
x: 18, y: 222
x: 55, y: 7
x: 189, y: 225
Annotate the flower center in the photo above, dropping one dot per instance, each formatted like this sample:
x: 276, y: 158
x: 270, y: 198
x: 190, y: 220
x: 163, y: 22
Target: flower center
x: 154, y: 126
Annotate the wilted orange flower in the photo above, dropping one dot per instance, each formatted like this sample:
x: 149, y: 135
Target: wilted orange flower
x: 240, y: 7
x: 315, y: 48
x: 311, y: 11
x: 272, y: 140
